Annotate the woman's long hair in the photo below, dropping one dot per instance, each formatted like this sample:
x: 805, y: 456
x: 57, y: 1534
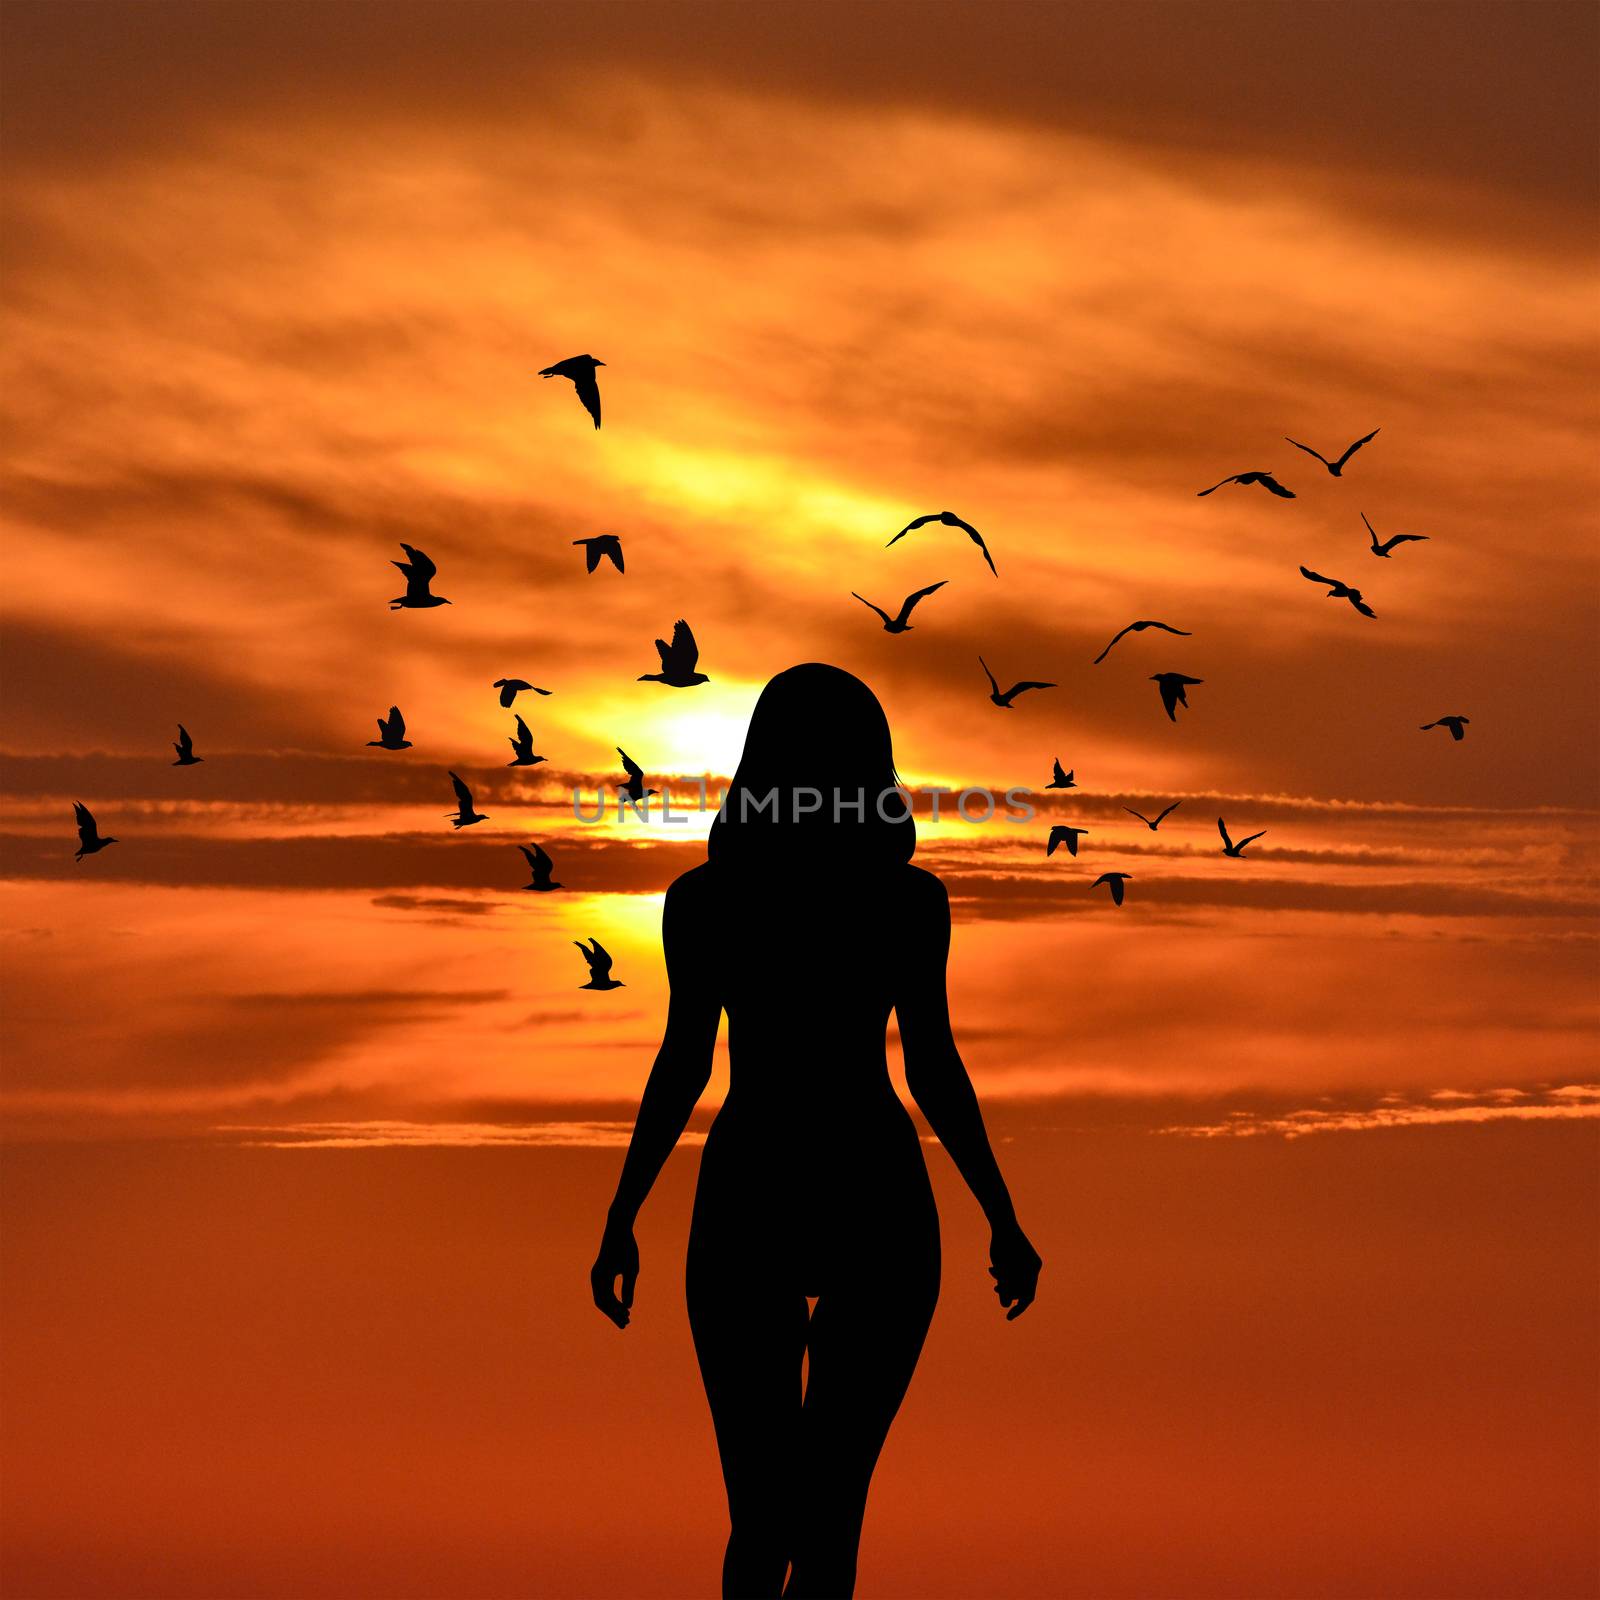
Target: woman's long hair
x: 816, y: 778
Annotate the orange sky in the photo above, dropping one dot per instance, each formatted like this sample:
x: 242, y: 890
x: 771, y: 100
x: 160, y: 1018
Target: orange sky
x: 278, y: 283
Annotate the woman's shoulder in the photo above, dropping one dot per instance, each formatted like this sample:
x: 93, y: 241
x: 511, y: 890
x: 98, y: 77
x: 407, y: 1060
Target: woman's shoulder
x: 923, y: 888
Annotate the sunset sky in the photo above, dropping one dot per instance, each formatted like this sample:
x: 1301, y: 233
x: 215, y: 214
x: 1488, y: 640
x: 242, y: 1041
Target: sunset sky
x: 279, y: 280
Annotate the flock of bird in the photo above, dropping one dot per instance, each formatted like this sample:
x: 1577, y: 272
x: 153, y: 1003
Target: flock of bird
x: 679, y: 669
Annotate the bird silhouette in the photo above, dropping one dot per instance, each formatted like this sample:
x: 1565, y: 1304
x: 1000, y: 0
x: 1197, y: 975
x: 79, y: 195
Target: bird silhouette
x: 184, y: 745
x: 1389, y: 543
x: 1060, y: 779
x: 678, y: 660
x: 602, y: 544
x: 1229, y: 848
x: 89, y: 836
x: 420, y: 572
x: 391, y: 732
x: 599, y: 959
x: 510, y: 688
x: 1265, y: 479
x: 1139, y: 627
x: 1160, y: 816
x: 1335, y: 467
x: 1113, y: 881
x: 1340, y: 591
x: 1456, y: 725
x: 634, y: 786
x: 464, y: 816
x: 581, y: 370
x: 1061, y: 834
x: 522, y: 744
x: 1172, y: 687
x: 541, y: 866
x: 899, y: 624
x: 950, y: 520
x: 1004, y: 700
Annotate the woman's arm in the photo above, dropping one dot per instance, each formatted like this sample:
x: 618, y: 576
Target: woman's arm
x: 681, y: 1071
x: 938, y: 1081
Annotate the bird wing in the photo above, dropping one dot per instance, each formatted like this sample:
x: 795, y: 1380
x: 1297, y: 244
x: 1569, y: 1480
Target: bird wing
x: 588, y: 388
x: 1116, y: 890
x: 1316, y: 577
x: 1360, y: 604
x: 1173, y: 807
x: 1182, y: 633
x: 540, y: 857
x: 1408, y: 538
x: 1056, y: 836
x: 1169, y: 696
x: 614, y: 550
x: 664, y: 650
x: 1129, y: 629
x: 533, y: 860
x: 1057, y: 775
x: 911, y: 599
x: 463, y: 793
x: 977, y: 539
x: 1267, y: 481
x: 1353, y: 448
x: 993, y: 686
x: 185, y: 743
x: 591, y: 553
x: 879, y: 609
x: 1213, y: 489
x: 630, y: 766
x: 1139, y: 814
x: 685, y: 652
x: 397, y: 723
x: 1374, y: 532
x: 421, y: 569
x: 1027, y: 683
x: 1250, y: 839
x: 914, y: 524
x: 1310, y: 452
x: 1222, y: 827
x: 86, y: 827
x: 600, y: 961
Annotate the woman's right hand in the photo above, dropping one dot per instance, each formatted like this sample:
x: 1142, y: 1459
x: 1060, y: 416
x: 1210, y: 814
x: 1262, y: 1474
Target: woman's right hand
x: 1014, y: 1266
x: 618, y: 1258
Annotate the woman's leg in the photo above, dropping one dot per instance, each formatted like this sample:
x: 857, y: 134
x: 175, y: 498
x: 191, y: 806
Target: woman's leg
x: 863, y: 1343
x: 750, y: 1338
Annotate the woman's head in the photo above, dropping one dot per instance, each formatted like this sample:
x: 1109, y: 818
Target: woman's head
x: 817, y: 773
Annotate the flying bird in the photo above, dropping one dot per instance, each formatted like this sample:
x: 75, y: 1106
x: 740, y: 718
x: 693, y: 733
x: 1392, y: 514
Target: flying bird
x: 541, y: 866
x: 1139, y: 627
x: 599, y: 959
x: 1004, y: 700
x: 1340, y: 591
x: 1061, y: 834
x: 1389, y: 543
x: 678, y: 660
x: 510, y: 688
x: 464, y: 816
x: 1113, y: 881
x: 1456, y: 725
x: 184, y: 745
x: 1265, y: 479
x: 420, y: 572
x: 1335, y: 467
x: 634, y: 786
x: 391, y: 732
x: 1172, y: 687
x: 1160, y: 817
x: 1229, y: 848
x: 950, y: 520
x: 522, y: 744
x: 89, y: 836
x: 1060, y: 779
x: 602, y: 544
x: 581, y: 370
x: 899, y: 624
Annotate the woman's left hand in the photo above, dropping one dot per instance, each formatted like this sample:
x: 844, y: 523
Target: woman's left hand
x: 1014, y: 1266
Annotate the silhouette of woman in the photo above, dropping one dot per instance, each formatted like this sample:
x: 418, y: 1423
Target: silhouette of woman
x: 808, y: 925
